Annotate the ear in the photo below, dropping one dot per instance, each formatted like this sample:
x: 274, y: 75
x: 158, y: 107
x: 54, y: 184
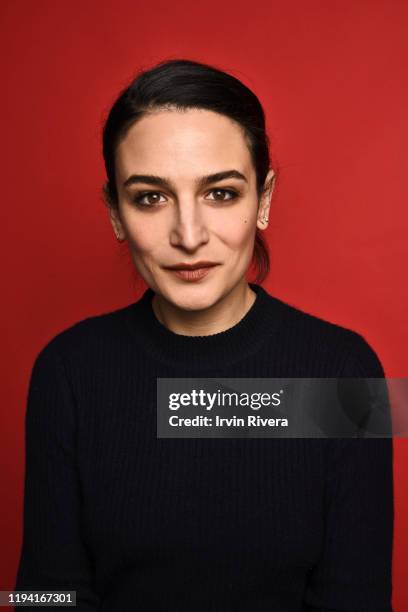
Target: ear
x: 116, y: 223
x: 114, y: 214
x: 265, y: 200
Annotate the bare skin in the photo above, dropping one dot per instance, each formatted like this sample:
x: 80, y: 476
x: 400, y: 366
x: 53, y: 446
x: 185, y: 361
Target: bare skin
x: 181, y: 220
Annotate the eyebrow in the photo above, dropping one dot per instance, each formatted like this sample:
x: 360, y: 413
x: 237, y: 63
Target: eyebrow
x: 201, y: 182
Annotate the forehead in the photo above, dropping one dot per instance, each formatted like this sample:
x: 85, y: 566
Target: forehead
x: 193, y: 141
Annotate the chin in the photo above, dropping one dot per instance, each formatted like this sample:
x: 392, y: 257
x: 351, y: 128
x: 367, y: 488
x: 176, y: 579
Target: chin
x: 193, y: 296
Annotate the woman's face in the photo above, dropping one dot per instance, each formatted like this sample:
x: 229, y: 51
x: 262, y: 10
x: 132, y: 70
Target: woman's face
x: 172, y: 210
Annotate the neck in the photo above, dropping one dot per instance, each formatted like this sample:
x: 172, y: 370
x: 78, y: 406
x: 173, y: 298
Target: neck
x: 222, y: 315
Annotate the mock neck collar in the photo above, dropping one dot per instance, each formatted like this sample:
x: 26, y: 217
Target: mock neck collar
x: 204, y: 352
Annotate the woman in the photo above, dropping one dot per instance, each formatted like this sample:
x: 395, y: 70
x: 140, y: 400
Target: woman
x: 136, y: 522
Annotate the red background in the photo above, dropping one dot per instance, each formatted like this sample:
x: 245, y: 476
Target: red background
x: 332, y: 77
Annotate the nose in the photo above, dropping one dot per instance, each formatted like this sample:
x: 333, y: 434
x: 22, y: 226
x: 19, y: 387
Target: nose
x: 189, y: 230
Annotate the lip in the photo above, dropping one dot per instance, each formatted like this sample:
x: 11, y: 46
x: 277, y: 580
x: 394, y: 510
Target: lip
x: 192, y: 275
x: 194, y: 266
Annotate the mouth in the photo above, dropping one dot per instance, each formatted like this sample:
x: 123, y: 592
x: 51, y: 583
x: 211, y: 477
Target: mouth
x: 192, y: 266
x: 193, y: 272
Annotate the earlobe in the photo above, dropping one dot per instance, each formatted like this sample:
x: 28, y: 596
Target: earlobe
x: 262, y: 222
x: 119, y: 237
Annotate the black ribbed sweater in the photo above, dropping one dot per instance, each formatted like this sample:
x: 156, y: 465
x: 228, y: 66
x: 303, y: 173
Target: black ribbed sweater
x: 133, y: 522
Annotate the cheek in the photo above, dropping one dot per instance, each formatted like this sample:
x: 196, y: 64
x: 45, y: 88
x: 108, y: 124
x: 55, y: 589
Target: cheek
x: 145, y: 238
x: 238, y: 233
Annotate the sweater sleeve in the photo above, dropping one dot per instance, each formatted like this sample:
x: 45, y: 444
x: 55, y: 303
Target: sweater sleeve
x: 53, y: 555
x: 354, y: 570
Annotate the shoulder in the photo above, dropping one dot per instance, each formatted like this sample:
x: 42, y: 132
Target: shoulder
x: 329, y: 340
x: 85, y: 339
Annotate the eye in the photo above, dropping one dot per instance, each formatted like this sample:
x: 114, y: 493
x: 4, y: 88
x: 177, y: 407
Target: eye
x: 222, y: 192
x: 148, y: 198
